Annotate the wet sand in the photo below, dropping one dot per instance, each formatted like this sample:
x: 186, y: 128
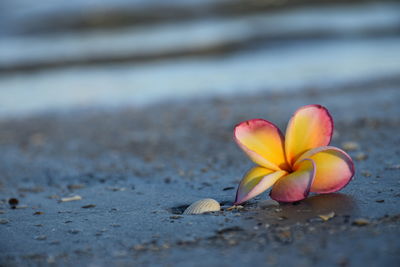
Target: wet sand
x: 135, y: 170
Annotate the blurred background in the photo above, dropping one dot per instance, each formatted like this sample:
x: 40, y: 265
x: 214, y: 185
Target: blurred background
x: 63, y: 55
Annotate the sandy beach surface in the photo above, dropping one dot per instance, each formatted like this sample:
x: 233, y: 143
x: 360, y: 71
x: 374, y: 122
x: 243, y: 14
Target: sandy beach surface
x: 136, y: 169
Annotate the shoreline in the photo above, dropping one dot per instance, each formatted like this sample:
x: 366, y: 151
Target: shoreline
x: 358, y: 85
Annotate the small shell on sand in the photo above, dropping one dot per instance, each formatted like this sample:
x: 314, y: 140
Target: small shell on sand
x: 327, y: 216
x: 73, y: 198
x: 202, y: 206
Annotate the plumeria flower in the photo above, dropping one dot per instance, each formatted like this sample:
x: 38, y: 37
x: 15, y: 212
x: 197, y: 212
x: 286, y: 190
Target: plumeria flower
x: 294, y: 165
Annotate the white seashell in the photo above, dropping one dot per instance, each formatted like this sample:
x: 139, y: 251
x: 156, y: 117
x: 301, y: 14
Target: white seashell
x: 202, y: 206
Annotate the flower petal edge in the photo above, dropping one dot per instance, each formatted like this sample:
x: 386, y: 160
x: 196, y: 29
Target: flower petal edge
x: 334, y: 168
x: 310, y: 126
x: 263, y: 142
x: 256, y: 181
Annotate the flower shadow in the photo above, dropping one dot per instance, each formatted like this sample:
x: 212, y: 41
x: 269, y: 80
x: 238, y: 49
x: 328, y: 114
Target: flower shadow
x: 312, y: 207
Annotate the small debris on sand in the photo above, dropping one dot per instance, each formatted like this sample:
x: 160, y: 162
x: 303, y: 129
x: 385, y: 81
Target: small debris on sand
x: 350, y: 146
x: 37, y: 189
x: 361, y: 156
x: 268, y: 203
x: 75, y: 186
x: 139, y: 247
x: 115, y: 189
x: 174, y: 217
x: 41, y: 237
x: 37, y: 139
x: 394, y: 167
x: 88, y: 206
x: 235, y: 207
x: 13, y: 202
x: 73, y: 231
x: 228, y: 188
x: 283, y: 235
x: 327, y: 216
x: 230, y: 230
x: 361, y: 222
x: 366, y: 173
x: 73, y: 198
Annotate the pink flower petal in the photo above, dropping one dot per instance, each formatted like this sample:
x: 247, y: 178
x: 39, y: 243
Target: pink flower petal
x: 263, y: 142
x: 310, y: 127
x: 255, y: 182
x: 295, y: 186
x: 334, y: 168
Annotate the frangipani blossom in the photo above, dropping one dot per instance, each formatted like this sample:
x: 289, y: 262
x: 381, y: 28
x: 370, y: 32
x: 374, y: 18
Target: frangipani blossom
x: 294, y: 165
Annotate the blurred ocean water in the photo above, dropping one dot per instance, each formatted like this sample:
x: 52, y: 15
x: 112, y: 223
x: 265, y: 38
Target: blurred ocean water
x: 50, y: 65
